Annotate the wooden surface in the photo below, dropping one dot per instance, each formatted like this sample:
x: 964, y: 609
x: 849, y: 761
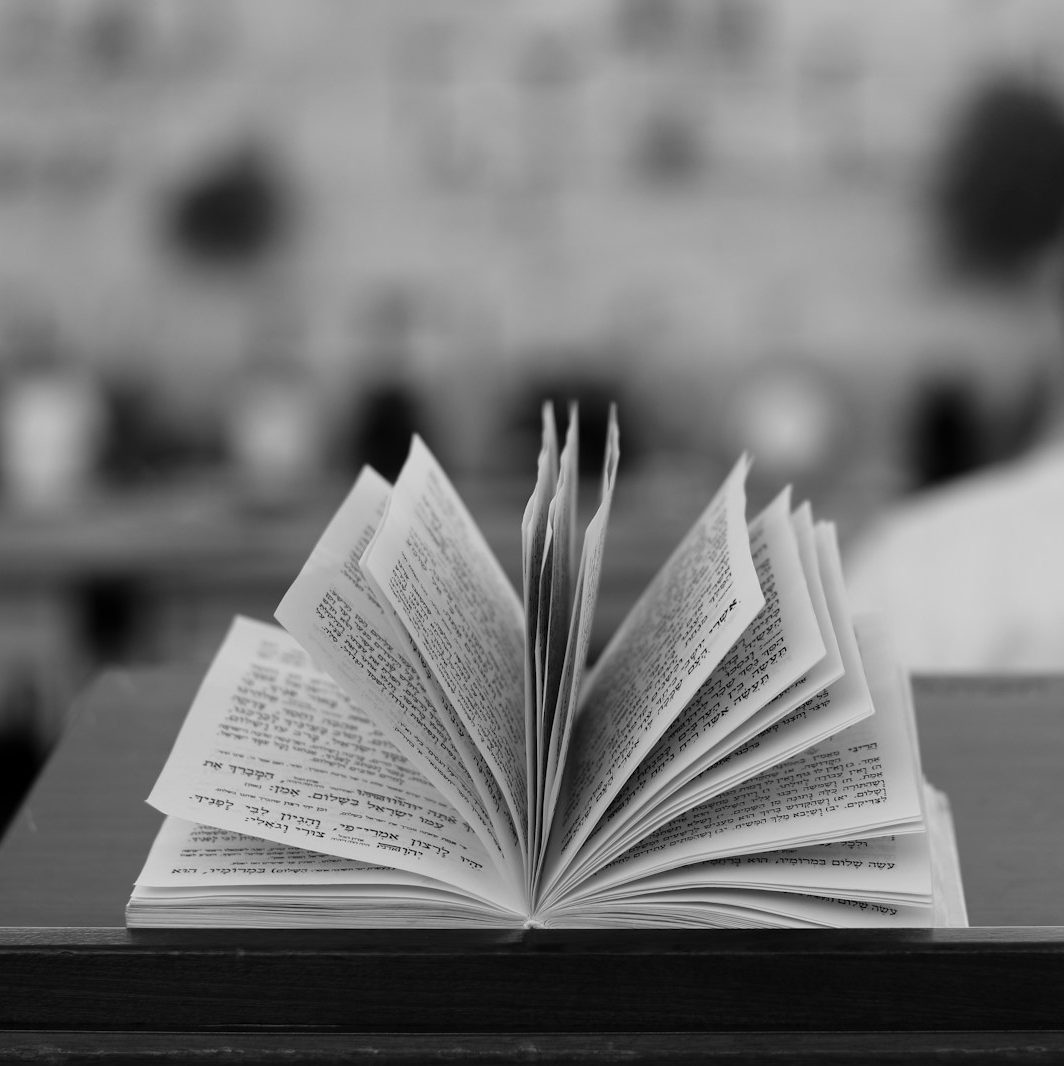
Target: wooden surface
x: 996, y: 747
x: 73, y: 981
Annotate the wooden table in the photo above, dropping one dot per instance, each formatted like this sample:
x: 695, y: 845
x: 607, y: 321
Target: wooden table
x: 76, y: 986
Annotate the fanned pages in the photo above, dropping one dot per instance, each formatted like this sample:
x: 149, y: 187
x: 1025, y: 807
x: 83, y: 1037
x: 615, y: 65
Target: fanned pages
x: 429, y: 562
x: 535, y: 530
x: 421, y: 745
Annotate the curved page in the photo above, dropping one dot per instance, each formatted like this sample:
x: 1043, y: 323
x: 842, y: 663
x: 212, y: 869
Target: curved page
x: 271, y: 747
x: 354, y: 637
x: 431, y: 564
x: 693, y: 611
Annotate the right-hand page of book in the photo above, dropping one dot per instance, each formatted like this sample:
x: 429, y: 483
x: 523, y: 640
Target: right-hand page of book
x: 782, y: 644
x: 863, y: 782
x: 882, y: 878
x: 844, y: 702
x: 788, y: 652
x: 692, y: 612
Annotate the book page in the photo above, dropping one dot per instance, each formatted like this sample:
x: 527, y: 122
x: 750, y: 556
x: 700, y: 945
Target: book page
x: 202, y: 858
x: 505, y: 832
x: 429, y: 561
x: 693, y: 611
x: 534, y: 530
x: 733, y: 908
x: 755, y: 745
x: 332, y: 611
x: 865, y: 781
x: 832, y: 614
x: 189, y: 853
x: 889, y: 869
x: 272, y: 748
x: 843, y: 703
x: 581, y: 622
x: 780, y: 646
x: 198, y: 876
x: 557, y: 596
x: 950, y: 907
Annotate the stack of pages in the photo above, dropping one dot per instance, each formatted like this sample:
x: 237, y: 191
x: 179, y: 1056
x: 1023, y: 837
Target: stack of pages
x: 421, y: 745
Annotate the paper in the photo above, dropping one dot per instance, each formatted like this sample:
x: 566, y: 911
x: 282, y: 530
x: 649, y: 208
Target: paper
x: 890, y: 869
x: 783, y: 643
x: 188, y: 853
x: 334, y: 614
x: 534, y: 531
x: 581, y: 621
x: 848, y: 787
x: 844, y: 703
x: 706, y: 594
x: 429, y: 561
x: 272, y: 748
x: 557, y: 595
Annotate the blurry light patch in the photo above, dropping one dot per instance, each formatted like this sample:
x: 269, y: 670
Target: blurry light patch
x: 793, y: 420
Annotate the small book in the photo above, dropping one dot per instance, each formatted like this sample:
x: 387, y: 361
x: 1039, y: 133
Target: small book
x: 423, y: 745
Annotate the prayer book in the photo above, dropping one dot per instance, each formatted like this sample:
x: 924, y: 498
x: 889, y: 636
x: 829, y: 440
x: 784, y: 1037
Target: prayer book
x: 420, y: 744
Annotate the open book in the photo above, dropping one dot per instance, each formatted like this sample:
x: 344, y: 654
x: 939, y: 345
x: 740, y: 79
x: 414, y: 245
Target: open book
x: 422, y: 745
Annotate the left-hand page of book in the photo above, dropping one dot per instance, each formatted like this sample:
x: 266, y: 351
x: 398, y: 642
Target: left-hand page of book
x: 430, y: 563
x: 353, y: 634
x: 197, y: 876
x: 272, y: 748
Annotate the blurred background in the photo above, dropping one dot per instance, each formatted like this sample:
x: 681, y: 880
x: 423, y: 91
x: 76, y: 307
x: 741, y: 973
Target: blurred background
x: 248, y: 245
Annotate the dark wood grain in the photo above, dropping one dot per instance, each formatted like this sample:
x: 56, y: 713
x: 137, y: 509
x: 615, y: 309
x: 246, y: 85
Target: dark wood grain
x: 461, y: 982
x: 400, y: 1049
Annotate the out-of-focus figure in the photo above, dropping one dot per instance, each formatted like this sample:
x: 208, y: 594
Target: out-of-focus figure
x: 971, y: 571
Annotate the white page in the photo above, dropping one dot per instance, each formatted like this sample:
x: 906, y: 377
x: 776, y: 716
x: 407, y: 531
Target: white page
x: 754, y: 745
x: 332, y: 611
x: 301, y: 906
x: 782, y: 644
x: 272, y: 748
x: 430, y: 562
x: 844, y: 703
x: 863, y: 782
x: 745, y: 908
x: 581, y: 622
x: 188, y: 859
x: 505, y: 832
x: 891, y: 869
x: 950, y: 908
x: 190, y: 854
x: 534, y: 529
x: 831, y: 615
x: 557, y: 584
x: 540, y: 655
x: 555, y: 604
x: 693, y: 611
